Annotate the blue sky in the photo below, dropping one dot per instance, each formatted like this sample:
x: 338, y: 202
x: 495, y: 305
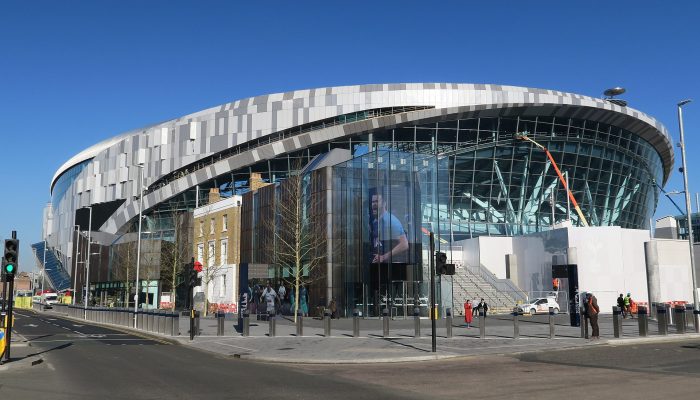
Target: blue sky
x: 73, y: 73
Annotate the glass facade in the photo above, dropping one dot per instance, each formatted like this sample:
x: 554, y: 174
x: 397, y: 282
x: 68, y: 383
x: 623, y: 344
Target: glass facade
x: 460, y: 178
x: 385, y: 204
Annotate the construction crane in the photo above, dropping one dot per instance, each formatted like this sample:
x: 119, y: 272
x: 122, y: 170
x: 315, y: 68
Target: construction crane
x: 523, y: 136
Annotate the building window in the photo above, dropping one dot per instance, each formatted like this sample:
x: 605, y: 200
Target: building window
x: 224, y: 252
x: 224, y: 223
x: 200, y: 252
x: 211, y: 253
x: 201, y: 228
x: 222, y: 287
x: 212, y: 226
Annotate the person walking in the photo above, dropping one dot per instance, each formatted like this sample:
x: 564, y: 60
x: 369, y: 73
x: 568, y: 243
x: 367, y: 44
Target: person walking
x: 270, y: 297
x: 468, y: 313
x: 628, y: 305
x: 482, y: 307
x: 303, y: 301
x: 621, y: 305
x: 592, y: 311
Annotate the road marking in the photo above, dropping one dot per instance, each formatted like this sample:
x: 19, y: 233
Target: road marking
x: 238, y: 347
x: 31, y: 326
x: 78, y: 325
x: 51, y: 367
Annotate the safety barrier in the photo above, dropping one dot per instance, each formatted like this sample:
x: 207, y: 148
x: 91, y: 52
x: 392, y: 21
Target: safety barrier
x: 162, y: 322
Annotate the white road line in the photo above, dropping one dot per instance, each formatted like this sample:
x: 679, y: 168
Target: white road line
x: 50, y: 366
x: 87, y: 339
x: 238, y: 347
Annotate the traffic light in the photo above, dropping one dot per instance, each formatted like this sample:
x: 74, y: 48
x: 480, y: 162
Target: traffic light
x: 192, y: 277
x: 441, y: 265
x: 9, y: 265
x: 440, y: 262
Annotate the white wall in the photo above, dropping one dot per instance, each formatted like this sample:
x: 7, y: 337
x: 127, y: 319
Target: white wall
x: 610, y: 261
x: 492, y: 253
x: 230, y: 295
x: 674, y: 270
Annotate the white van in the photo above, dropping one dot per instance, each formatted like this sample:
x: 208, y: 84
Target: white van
x: 48, y: 299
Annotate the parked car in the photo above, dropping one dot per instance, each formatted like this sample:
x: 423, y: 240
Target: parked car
x: 540, y: 305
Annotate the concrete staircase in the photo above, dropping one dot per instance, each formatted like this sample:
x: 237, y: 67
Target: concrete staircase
x: 473, y: 284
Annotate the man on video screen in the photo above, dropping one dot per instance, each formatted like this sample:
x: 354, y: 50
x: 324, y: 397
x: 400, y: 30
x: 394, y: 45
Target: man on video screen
x: 388, y: 237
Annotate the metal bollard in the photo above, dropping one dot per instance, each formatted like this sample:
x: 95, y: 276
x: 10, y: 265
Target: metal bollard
x: 355, y: 323
x: 696, y: 321
x: 662, y: 319
x: 416, y: 322
x: 271, y: 324
x: 680, y: 318
x: 197, y: 332
x: 643, y: 320
x: 516, y: 323
x: 385, y: 319
x: 300, y: 324
x: 584, y: 324
x: 617, y: 322
x: 669, y: 316
x: 551, y: 323
x: 653, y: 314
x: 448, y: 322
x: 689, y: 323
x: 327, y: 323
x: 220, y: 320
x: 482, y: 324
x: 139, y: 320
x: 246, y: 324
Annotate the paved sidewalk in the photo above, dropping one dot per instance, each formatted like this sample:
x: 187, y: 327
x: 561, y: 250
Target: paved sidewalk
x: 400, y: 345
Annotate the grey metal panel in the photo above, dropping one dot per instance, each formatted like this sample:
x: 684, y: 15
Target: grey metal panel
x: 445, y: 97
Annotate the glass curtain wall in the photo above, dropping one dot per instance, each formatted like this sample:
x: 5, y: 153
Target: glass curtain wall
x: 385, y: 203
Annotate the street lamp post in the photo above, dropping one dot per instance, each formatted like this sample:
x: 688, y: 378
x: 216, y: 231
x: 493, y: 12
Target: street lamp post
x: 87, y: 264
x: 43, y: 273
x: 138, y: 245
x: 688, y: 207
x: 75, y: 270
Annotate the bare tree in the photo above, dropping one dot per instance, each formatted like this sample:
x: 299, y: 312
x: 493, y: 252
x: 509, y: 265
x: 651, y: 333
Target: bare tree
x: 177, y: 253
x: 123, y: 260
x: 299, y: 227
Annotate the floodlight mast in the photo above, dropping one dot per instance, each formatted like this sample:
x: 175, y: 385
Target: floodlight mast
x: 523, y: 136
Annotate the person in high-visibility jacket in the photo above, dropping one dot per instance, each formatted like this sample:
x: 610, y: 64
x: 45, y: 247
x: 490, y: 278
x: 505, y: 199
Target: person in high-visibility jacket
x: 628, y: 305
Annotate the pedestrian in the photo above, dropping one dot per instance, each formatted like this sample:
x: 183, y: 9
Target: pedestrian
x: 303, y: 301
x: 592, y: 310
x: 468, y: 313
x: 269, y: 296
x: 282, y: 292
x: 333, y: 308
x: 628, y: 305
x: 621, y: 305
x: 482, y: 307
x: 555, y: 284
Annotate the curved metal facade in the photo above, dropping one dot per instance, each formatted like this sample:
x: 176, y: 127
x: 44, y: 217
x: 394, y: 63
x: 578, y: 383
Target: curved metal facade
x: 615, y: 156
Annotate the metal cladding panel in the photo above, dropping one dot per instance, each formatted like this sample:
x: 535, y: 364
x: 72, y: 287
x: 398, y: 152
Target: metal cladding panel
x: 199, y: 135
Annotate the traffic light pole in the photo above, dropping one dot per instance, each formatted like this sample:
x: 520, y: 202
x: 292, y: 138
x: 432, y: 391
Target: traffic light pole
x: 191, y: 296
x: 432, y: 292
x: 10, y: 300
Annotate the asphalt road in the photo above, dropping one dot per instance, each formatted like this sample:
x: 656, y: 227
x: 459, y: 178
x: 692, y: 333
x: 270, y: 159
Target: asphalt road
x: 83, y: 361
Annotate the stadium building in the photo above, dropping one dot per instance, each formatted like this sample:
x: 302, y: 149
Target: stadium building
x: 389, y: 163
